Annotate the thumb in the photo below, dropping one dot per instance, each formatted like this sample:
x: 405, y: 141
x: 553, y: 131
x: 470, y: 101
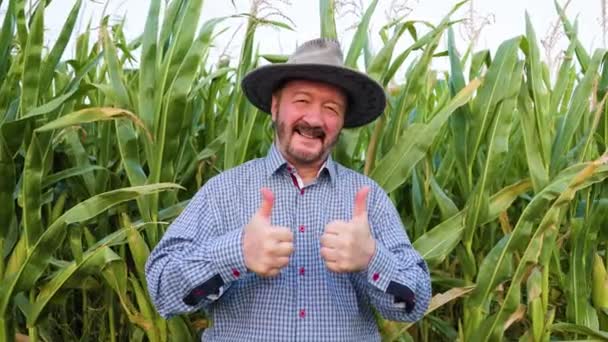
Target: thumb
x: 360, y: 208
x: 265, y: 209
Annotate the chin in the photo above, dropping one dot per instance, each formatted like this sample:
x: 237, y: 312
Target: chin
x: 305, y: 156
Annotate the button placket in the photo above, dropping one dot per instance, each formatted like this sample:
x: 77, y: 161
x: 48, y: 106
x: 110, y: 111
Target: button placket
x: 301, y: 263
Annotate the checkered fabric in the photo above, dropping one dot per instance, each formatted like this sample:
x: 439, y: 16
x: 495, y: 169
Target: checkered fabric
x: 306, y: 302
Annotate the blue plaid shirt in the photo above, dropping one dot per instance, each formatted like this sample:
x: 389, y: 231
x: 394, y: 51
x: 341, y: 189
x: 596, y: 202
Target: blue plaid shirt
x: 199, y: 262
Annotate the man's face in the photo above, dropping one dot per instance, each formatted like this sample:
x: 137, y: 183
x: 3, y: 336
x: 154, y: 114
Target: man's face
x: 308, y: 117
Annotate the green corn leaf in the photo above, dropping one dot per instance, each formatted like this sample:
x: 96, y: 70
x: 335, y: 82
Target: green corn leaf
x: 538, y: 91
x: 437, y: 243
x: 422, y: 41
x: 128, y: 147
x: 22, y: 33
x: 497, y: 141
x: 488, y: 277
x: 580, y: 329
x: 396, y: 166
x: 92, y: 261
x: 492, y: 93
x: 32, y: 193
x: 535, y: 310
x: 578, y: 290
x: 176, y: 100
x: 7, y: 188
x: 119, y: 91
x: 32, y: 61
x: 37, y: 258
x: 563, y: 189
x: 139, y: 249
x: 327, y: 8
x: 416, y: 81
x: 360, y: 37
x: 148, y: 67
x: 379, y: 65
x: 6, y: 38
x: 53, y: 58
x: 581, y: 54
x: 446, y: 205
x: 71, y: 172
x: 459, y: 120
x: 92, y: 115
x: 561, y: 84
x: 577, y: 110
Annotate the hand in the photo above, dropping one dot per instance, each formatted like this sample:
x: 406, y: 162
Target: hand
x: 349, y: 246
x: 266, y: 248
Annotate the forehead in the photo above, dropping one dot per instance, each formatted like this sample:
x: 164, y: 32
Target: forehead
x: 326, y: 90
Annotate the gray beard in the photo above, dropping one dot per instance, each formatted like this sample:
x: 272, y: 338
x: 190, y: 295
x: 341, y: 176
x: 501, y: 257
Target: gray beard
x: 282, y: 134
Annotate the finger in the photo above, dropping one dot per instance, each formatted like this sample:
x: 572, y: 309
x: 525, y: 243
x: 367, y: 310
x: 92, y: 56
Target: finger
x: 282, y: 234
x: 283, y: 249
x: 335, y: 227
x: 273, y: 272
x: 329, y: 254
x: 280, y: 262
x: 265, y: 209
x: 360, y: 208
x: 333, y: 266
x: 329, y: 240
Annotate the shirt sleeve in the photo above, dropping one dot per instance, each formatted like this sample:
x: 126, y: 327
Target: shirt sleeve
x: 193, y: 265
x: 397, y: 278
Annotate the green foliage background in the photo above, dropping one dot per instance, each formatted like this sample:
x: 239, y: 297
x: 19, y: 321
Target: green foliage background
x: 497, y: 170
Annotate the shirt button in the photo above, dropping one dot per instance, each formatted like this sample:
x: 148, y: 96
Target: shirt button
x: 236, y: 273
x: 301, y: 271
x: 376, y: 276
x: 301, y: 229
x: 302, y: 313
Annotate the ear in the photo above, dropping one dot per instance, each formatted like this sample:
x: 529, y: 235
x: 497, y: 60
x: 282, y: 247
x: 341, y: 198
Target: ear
x: 274, y: 105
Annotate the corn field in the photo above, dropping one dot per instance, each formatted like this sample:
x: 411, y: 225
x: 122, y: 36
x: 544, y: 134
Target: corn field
x: 497, y: 167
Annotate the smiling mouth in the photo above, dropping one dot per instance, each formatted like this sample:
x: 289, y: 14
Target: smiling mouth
x: 310, y: 132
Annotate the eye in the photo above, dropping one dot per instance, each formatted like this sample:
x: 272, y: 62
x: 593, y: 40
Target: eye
x: 300, y: 100
x: 333, y: 109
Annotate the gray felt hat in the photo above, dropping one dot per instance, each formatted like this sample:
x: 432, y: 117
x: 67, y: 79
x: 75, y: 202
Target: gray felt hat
x: 319, y: 60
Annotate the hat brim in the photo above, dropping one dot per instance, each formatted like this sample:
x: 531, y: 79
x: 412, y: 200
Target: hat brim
x: 366, y: 98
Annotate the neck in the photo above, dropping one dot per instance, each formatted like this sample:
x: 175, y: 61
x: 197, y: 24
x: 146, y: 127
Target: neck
x: 307, y: 171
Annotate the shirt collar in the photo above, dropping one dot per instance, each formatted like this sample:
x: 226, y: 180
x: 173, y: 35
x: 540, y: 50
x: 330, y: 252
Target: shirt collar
x: 274, y: 161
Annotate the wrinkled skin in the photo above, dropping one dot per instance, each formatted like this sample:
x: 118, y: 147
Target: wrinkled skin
x: 308, y: 117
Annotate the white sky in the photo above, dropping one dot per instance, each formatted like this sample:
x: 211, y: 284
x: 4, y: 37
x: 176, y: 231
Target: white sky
x: 505, y: 20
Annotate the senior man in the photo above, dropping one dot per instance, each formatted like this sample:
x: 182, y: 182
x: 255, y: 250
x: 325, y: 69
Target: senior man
x: 294, y: 246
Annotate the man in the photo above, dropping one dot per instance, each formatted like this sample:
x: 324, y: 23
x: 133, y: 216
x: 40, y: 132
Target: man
x: 294, y: 246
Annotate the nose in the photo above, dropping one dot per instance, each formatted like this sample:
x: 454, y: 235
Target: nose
x: 314, y: 115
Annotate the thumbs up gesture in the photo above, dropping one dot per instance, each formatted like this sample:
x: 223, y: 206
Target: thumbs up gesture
x: 266, y: 248
x: 349, y: 246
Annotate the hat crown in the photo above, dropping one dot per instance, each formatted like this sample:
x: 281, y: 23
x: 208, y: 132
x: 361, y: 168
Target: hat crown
x: 319, y: 60
x: 318, y: 51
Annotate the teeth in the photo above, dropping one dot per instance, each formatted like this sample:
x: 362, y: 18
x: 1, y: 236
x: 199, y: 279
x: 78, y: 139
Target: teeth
x: 310, y: 134
x: 305, y: 135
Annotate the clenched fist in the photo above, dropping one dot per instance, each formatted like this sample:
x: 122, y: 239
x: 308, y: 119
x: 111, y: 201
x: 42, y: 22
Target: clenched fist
x: 266, y: 248
x: 349, y: 246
